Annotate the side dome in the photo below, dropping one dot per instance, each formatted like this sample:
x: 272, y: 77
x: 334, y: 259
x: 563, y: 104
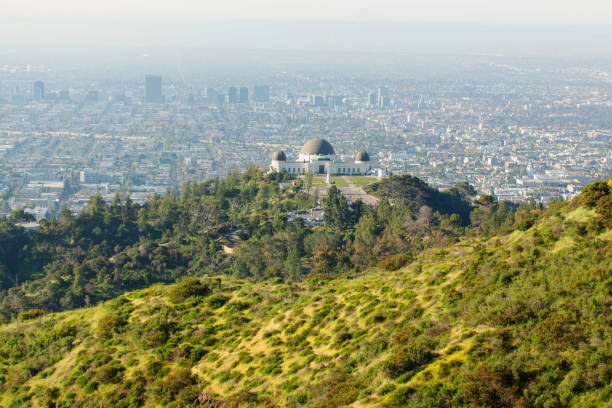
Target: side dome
x: 279, y: 156
x: 317, y: 147
x: 362, y: 157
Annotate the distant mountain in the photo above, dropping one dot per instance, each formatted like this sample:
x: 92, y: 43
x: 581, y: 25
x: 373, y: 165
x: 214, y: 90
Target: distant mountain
x: 520, y: 318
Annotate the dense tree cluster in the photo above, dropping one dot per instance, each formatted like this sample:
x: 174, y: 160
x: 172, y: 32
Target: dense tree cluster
x: 109, y: 248
x: 106, y: 249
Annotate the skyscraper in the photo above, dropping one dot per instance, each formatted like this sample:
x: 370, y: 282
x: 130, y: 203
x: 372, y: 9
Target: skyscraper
x: 232, y: 95
x: 335, y: 100
x: 211, y: 95
x: 39, y: 90
x: 373, y: 98
x: 317, y: 100
x: 384, y: 102
x: 383, y: 97
x: 244, y: 94
x: 153, y: 89
x: 261, y: 93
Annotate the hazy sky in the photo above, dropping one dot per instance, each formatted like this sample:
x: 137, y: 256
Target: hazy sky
x: 555, y: 28
x: 486, y: 11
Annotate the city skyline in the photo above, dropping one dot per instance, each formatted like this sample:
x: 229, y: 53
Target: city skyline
x: 512, y: 128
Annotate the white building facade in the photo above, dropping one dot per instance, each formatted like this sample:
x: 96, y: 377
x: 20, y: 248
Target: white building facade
x: 317, y: 156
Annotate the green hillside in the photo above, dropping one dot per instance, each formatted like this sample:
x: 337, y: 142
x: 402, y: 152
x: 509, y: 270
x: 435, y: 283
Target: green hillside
x: 244, y: 225
x: 521, y: 319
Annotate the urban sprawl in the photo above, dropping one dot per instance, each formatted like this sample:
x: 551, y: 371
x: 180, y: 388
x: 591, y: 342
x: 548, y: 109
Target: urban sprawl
x: 539, y: 134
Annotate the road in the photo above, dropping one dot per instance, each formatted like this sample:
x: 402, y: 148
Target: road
x: 351, y: 192
x: 354, y: 193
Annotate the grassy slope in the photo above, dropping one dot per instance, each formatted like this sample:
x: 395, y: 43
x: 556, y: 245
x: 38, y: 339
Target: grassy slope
x: 534, y: 304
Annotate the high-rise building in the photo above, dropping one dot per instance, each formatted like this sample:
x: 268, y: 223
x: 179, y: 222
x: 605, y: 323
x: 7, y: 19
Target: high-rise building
x: 153, y: 89
x: 39, y: 90
x: 384, y: 102
x: 261, y: 93
x: 88, y: 176
x: 318, y: 100
x: 244, y: 94
x: 232, y: 95
x: 383, y: 97
x: 211, y: 95
x: 335, y: 100
x: 382, y: 91
x: 373, y: 98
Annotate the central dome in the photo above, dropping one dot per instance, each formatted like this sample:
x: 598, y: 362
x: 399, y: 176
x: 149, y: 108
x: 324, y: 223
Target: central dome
x: 317, y: 146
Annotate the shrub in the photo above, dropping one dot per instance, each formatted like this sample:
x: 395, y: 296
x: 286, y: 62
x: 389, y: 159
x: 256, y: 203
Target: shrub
x: 272, y: 364
x: 187, y: 288
x: 155, y: 369
x: 63, y: 330
x: 525, y: 219
x: 386, y: 389
x: 30, y: 314
x: 300, y: 397
x: 426, y: 395
x: 156, y: 331
x: 217, y: 300
x: 395, y: 262
x: 91, y: 387
x: 316, y: 279
x: 343, y: 337
x: 15, y: 376
x: 176, y: 380
x: 604, y: 208
x: 107, y: 326
x: 187, y: 395
x: 558, y: 330
x: 377, y: 317
x: 485, y: 387
x: 338, y: 390
x: 406, y: 359
x: 110, y: 373
x: 400, y: 397
x: 591, y: 193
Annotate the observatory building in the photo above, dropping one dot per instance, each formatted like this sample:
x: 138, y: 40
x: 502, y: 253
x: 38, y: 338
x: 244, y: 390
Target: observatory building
x: 317, y: 156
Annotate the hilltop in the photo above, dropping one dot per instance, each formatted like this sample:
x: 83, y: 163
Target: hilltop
x: 517, y: 318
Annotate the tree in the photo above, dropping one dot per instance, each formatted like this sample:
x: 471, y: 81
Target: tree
x: 19, y: 215
x: 358, y: 208
x: 96, y: 205
x: 604, y: 208
x: 425, y: 219
x: 466, y: 189
x: 204, y: 215
x: 335, y: 209
x: 366, y: 233
x: 591, y: 193
x: 293, y: 265
x: 308, y: 181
